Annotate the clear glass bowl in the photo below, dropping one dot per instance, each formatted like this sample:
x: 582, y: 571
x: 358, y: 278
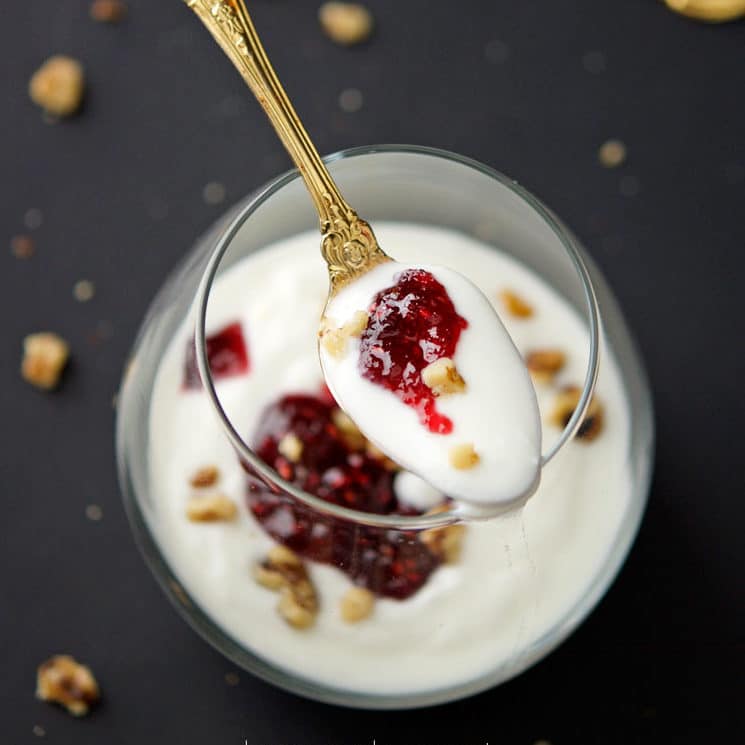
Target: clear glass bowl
x: 391, y: 184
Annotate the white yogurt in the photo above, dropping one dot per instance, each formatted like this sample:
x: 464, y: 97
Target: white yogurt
x: 496, y: 415
x: 518, y: 578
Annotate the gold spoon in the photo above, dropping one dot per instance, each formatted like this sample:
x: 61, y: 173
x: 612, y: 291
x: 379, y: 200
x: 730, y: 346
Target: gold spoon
x: 348, y: 245
x: 351, y: 250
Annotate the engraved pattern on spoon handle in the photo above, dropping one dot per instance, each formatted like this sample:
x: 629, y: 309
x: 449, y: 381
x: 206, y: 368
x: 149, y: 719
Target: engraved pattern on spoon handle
x: 349, y: 245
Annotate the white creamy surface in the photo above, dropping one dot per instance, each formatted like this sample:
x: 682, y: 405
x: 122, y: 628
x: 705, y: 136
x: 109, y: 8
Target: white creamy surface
x: 518, y: 577
x: 497, y: 414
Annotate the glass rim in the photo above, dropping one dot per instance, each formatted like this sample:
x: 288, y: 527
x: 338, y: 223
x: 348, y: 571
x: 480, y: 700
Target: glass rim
x: 399, y: 522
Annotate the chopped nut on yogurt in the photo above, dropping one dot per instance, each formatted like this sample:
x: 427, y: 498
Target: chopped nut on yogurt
x: 211, y: 508
x: 297, y: 605
x: 283, y: 570
x: 463, y: 456
x: 357, y: 604
x: 564, y: 405
x: 58, y: 85
x: 44, y: 358
x: 346, y: 23
x: 447, y: 542
x: 350, y: 432
x: 515, y: 305
x: 291, y: 447
x: 205, y: 477
x: 63, y: 680
x: 442, y: 377
x: 544, y: 364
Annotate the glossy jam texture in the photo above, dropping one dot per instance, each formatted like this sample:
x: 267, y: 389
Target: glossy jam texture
x: 227, y: 353
x: 411, y: 324
x: 388, y: 562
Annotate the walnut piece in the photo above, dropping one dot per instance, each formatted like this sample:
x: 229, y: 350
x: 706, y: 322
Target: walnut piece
x: 283, y: 570
x: 205, y: 477
x: 463, y: 456
x: 58, y: 86
x: 291, y: 447
x: 346, y: 23
x: 543, y: 364
x: 108, y: 11
x: 211, y: 508
x: 709, y: 11
x: 612, y: 154
x: 63, y: 680
x: 44, y: 358
x: 357, y: 604
x: 564, y: 405
x: 357, y: 324
x: 334, y: 340
x: 22, y: 246
x: 446, y: 543
x: 349, y: 431
x: 442, y: 377
x: 515, y: 305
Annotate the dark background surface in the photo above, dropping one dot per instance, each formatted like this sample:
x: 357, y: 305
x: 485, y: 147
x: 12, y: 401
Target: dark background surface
x: 120, y: 189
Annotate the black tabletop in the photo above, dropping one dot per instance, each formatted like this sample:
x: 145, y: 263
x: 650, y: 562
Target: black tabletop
x: 531, y: 87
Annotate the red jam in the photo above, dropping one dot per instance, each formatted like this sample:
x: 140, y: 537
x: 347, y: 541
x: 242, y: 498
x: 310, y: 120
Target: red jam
x: 390, y: 563
x: 411, y: 324
x: 227, y: 353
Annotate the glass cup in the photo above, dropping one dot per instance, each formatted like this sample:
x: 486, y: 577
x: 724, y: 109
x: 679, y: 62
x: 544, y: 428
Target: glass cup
x: 367, y: 545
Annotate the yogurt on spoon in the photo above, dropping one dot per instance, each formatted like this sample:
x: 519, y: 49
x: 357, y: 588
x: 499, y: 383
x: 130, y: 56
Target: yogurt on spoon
x: 419, y: 359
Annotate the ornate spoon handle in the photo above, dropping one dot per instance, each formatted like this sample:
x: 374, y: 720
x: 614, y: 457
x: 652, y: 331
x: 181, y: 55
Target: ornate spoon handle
x: 348, y: 245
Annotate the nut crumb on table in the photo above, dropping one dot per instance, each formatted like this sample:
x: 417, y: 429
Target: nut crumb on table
x: 63, y: 680
x: 22, y: 246
x: 108, y: 11
x: 44, y: 358
x: 612, y: 154
x: 709, y: 11
x: 346, y: 23
x: 58, y: 86
x: 83, y: 290
x: 94, y: 513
